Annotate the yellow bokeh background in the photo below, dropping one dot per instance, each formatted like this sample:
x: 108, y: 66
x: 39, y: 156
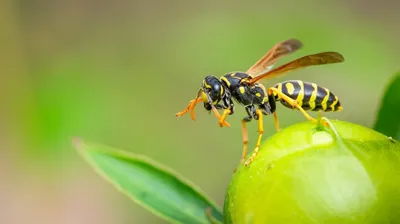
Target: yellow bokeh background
x: 116, y: 72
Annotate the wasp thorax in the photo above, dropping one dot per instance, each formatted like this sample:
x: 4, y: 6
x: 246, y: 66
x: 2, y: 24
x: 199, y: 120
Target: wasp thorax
x: 212, y: 89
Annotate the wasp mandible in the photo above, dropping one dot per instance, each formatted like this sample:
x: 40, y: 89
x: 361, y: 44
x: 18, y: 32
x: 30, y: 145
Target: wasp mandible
x: 245, y: 88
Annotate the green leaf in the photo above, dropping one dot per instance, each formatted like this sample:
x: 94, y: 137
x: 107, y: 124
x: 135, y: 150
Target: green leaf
x: 149, y: 184
x: 388, y: 119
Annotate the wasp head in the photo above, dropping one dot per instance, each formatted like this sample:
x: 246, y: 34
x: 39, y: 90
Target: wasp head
x: 213, y: 91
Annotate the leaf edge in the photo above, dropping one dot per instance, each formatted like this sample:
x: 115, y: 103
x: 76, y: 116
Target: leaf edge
x: 78, y: 143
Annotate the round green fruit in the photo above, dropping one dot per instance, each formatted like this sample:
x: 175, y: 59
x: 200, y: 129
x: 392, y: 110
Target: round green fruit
x: 308, y: 173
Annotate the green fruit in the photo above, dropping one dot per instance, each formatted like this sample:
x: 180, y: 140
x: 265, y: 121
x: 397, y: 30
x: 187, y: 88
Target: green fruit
x: 312, y: 174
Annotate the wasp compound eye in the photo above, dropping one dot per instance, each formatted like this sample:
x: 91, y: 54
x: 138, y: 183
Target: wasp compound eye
x: 216, y: 87
x: 213, y: 87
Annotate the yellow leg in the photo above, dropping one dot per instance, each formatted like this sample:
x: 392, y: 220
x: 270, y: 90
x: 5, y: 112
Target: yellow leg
x: 190, y: 107
x: 245, y: 141
x: 223, y: 117
x: 216, y: 114
x: 260, y: 133
x: 276, y: 122
x: 293, y: 103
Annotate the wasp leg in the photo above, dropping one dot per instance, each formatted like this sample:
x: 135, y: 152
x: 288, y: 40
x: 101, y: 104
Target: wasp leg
x: 276, y: 122
x: 245, y: 138
x: 216, y: 114
x: 226, y: 112
x: 260, y: 134
x: 215, y: 111
x: 193, y: 103
x: 190, y: 107
x: 292, y: 102
x: 271, y: 109
x: 272, y: 102
x: 250, y: 110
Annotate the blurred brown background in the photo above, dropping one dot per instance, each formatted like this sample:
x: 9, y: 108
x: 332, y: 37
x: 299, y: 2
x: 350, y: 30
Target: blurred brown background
x: 116, y: 72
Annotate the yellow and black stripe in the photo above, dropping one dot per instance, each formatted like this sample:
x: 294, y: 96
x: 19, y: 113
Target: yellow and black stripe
x: 308, y: 95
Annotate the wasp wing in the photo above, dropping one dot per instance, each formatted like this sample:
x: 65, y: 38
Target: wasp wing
x: 308, y: 60
x: 278, y: 50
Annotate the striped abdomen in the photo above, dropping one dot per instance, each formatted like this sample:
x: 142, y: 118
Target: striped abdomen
x: 308, y: 95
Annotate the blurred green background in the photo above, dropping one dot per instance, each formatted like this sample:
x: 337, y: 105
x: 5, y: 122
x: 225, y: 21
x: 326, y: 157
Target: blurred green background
x: 116, y: 72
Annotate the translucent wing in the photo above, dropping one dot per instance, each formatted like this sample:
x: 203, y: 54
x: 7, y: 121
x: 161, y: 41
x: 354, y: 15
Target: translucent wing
x: 277, y: 51
x: 308, y: 60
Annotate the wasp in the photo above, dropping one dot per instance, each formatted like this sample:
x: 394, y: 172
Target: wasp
x: 245, y: 89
